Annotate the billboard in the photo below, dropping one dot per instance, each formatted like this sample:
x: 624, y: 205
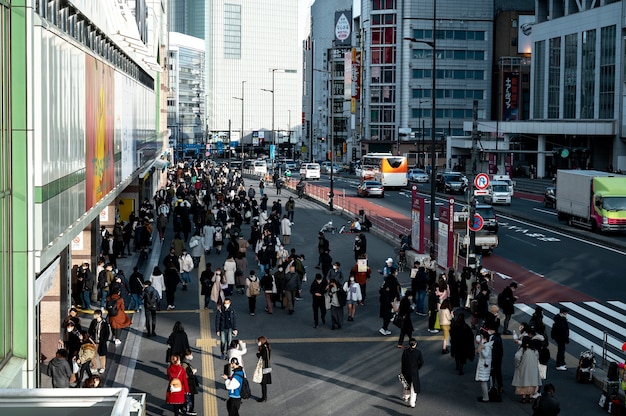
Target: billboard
x: 510, y: 95
x: 343, y: 28
x: 99, y: 119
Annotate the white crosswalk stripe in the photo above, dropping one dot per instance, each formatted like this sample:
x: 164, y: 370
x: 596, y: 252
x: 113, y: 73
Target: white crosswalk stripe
x: 591, y: 324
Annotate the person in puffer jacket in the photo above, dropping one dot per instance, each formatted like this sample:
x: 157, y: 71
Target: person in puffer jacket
x: 86, y: 353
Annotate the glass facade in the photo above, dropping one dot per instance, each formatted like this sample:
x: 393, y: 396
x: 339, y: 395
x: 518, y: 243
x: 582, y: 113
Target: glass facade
x: 554, y: 78
x: 232, y: 31
x: 383, y: 71
x: 588, y: 74
x: 569, y: 79
x: 539, y: 82
x: 5, y: 188
x: 607, y: 72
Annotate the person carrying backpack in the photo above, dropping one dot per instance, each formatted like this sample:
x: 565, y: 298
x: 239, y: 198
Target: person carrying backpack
x: 253, y: 289
x: 117, y: 316
x: 235, y: 384
x: 151, y: 301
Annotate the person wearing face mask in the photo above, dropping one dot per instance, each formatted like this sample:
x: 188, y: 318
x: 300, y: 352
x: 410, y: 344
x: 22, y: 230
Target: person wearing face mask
x: 264, y: 352
x: 225, y: 325
x: 353, y: 291
x: 192, y: 381
x: 318, y: 289
x: 335, y: 273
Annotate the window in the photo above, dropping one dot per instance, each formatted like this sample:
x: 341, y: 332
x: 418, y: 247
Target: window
x: 607, y: 72
x: 588, y: 68
x: 569, y: 76
x: 554, y: 77
x: 540, y: 76
x: 232, y: 31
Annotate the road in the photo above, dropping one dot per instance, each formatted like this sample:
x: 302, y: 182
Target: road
x: 554, y: 264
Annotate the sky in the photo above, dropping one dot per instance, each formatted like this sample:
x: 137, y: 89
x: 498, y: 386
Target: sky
x: 304, y: 8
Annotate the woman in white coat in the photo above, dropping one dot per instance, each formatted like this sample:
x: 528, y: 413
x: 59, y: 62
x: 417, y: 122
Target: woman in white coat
x: 230, y: 267
x: 285, y: 229
x: 483, y: 369
x: 353, y: 296
x: 157, y: 280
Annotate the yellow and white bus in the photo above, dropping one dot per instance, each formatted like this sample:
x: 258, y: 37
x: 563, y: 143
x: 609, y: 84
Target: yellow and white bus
x: 386, y: 168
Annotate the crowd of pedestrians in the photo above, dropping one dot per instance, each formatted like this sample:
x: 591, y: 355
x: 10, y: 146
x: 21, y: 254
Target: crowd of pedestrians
x: 210, y: 209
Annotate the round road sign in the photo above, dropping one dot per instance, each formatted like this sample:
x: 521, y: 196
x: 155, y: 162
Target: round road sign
x: 414, y: 187
x: 476, y: 222
x: 481, y: 181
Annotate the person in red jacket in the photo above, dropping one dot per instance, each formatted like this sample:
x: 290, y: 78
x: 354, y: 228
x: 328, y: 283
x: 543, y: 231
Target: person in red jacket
x: 177, y: 387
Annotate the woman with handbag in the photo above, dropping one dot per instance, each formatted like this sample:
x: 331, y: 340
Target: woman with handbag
x: 404, y: 311
x: 177, y: 386
x: 264, y: 354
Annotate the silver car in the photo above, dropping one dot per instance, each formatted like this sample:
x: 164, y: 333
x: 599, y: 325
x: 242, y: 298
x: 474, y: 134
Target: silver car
x: 417, y: 175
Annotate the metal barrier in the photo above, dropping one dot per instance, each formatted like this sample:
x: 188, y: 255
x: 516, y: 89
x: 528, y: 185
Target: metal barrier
x: 347, y: 206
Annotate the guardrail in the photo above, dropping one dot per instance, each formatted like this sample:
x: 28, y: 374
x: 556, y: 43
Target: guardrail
x: 348, y: 206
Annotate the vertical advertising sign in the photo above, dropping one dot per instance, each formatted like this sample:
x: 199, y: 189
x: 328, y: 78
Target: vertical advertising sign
x: 343, y: 28
x: 356, y: 79
x: 508, y: 164
x: 417, y: 220
x: 445, y: 243
x: 493, y: 168
x: 511, y: 96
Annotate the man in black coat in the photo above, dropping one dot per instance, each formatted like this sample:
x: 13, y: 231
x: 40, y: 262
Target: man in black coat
x: 506, y: 299
x: 412, y: 361
x: 560, y: 335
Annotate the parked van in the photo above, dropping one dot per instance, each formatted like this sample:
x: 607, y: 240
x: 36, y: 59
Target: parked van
x: 259, y: 167
x: 310, y: 171
x: 499, y: 192
x: 505, y: 178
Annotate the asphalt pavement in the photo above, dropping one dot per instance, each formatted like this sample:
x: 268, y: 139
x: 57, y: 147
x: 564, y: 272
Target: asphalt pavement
x: 319, y: 371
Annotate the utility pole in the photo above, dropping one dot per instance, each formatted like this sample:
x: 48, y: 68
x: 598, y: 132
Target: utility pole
x: 471, y: 251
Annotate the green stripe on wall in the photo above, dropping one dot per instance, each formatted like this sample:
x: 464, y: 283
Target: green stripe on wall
x: 54, y: 188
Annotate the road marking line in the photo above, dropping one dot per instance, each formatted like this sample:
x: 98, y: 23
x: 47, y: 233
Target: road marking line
x: 522, y: 241
x: 206, y: 342
x: 606, y: 310
x: 617, y: 304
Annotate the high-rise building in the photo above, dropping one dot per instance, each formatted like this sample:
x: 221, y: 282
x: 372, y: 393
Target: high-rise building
x: 253, y: 65
x: 187, y: 17
x: 185, y: 99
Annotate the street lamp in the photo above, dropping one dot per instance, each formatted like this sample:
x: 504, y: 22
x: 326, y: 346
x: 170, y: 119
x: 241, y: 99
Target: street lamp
x: 274, y: 70
x: 433, y: 97
x: 242, y: 100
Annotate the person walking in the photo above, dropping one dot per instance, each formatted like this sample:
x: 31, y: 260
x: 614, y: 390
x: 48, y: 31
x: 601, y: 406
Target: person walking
x: 178, y: 385
x: 353, y: 296
x: 318, y: 289
x: 387, y: 295
x: 404, y: 311
x: 253, y: 289
x: 560, y: 335
x: 506, y: 299
x: 233, y: 383
x: 192, y: 381
x: 411, y: 363
x: 285, y: 229
x: 186, y: 266
x: 419, y: 286
x: 59, y: 370
x: 362, y: 273
x: 135, y: 284
x: 433, y: 309
x: 483, y: 368
x: 526, y: 377
x: 85, y: 355
x: 292, y: 287
x: 264, y: 353
x: 225, y: 325
x: 461, y: 342
x: 177, y: 342
x: 158, y: 281
x: 197, y: 247
x: 119, y: 320
x: 172, y: 279
x: 290, y: 208
x: 445, y: 319
x: 336, y: 308
x: 151, y: 301
x: 268, y: 286
x: 99, y: 332
x: 206, y: 284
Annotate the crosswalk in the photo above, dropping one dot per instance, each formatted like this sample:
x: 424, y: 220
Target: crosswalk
x: 590, y: 324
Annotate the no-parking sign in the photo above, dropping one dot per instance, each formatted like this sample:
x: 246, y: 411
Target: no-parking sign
x: 476, y: 222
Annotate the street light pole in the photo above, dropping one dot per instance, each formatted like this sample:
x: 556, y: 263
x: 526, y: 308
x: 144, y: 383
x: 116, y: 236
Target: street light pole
x: 433, y: 161
x: 331, y: 94
x: 242, y: 101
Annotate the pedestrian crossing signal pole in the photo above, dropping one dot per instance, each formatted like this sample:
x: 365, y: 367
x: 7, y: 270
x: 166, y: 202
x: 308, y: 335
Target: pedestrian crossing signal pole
x: 471, y: 250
